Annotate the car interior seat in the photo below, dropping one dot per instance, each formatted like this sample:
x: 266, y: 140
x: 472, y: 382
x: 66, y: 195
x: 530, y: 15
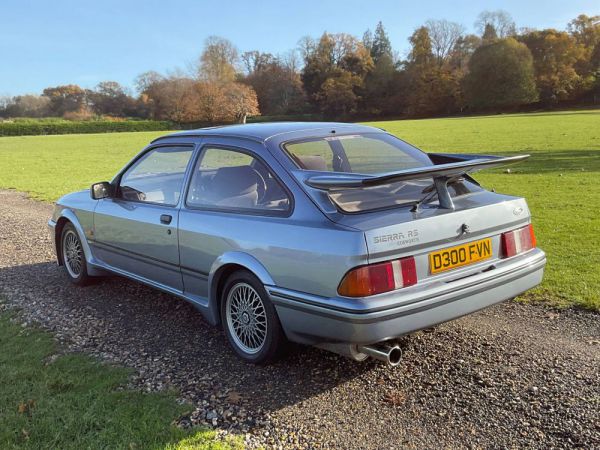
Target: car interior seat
x: 233, y: 186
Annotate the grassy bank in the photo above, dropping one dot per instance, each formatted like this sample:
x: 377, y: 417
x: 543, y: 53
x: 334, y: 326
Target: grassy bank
x: 48, y: 400
x: 560, y: 181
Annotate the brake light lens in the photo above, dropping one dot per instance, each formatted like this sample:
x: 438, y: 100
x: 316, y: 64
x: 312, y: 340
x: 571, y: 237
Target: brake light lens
x: 378, y: 278
x: 518, y: 241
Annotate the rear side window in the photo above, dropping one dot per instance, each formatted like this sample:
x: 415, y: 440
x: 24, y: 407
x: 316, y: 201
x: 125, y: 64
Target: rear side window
x: 157, y: 177
x: 233, y: 180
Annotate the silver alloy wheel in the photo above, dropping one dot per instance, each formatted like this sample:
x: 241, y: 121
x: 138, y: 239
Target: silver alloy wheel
x: 72, y: 253
x: 246, y: 318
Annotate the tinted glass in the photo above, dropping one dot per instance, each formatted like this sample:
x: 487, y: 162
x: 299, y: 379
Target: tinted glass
x: 157, y: 177
x: 366, y: 153
x: 228, y: 179
x: 369, y: 153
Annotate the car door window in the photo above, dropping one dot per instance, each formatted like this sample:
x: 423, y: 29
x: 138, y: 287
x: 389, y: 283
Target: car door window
x: 157, y: 177
x: 229, y: 179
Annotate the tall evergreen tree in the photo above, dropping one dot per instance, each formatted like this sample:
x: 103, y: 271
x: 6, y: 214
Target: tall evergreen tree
x: 367, y: 40
x: 377, y: 86
x: 381, y: 45
x: 489, y: 34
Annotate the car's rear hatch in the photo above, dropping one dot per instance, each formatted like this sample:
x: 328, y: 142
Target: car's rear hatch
x: 478, y: 217
x: 451, y: 239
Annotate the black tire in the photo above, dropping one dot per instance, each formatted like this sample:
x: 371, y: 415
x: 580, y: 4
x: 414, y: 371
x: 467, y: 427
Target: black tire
x: 76, y: 273
x: 274, y: 341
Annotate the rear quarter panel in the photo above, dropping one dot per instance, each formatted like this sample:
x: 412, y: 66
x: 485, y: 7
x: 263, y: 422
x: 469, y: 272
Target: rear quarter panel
x: 307, y: 256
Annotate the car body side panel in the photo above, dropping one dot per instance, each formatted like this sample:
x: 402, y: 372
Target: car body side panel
x: 82, y: 206
x: 201, y: 287
x: 291, y: 252
x: 130, y: 236
x: 284, y: 249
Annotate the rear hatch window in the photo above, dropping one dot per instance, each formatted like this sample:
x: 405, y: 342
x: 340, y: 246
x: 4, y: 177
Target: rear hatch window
x: 357, y: 153
x: 375, y: 153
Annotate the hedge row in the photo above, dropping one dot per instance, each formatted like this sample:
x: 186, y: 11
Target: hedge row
x: 27, y: 128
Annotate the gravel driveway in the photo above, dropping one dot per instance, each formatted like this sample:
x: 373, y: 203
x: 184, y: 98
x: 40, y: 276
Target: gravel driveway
x: 511, y: 376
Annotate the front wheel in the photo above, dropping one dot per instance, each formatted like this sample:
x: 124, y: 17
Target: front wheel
x: 250, y: 320
x: 73, y: 257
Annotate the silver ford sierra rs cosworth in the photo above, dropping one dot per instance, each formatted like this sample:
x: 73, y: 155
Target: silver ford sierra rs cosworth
x: 335, y: 235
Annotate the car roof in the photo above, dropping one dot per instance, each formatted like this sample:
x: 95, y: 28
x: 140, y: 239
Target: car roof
x: 264, y: 131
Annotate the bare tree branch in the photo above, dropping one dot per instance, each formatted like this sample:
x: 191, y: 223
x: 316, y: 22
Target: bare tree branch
x: 443, y: 35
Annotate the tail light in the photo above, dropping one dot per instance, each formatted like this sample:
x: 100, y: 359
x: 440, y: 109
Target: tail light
x: 518, y: 241
x: 377, y: 278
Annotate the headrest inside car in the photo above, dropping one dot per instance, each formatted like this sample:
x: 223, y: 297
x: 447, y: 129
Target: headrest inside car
x: 313, y: 162
x: 236, y: 180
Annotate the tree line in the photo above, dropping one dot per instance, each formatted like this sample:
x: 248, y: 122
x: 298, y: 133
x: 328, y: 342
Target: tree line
x: 446, y: 71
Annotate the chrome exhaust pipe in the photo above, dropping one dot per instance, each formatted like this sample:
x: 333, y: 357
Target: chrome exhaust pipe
x: 391, y: 354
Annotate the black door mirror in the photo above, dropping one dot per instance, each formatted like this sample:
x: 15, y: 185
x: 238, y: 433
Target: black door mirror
x: 101, y: 190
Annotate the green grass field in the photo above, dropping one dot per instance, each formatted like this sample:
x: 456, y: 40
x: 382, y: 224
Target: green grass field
x: 72, y: 402
x: 560, y: 181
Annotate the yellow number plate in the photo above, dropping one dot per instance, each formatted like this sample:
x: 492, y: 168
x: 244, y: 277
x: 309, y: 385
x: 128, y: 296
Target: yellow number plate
x: 461, y: 255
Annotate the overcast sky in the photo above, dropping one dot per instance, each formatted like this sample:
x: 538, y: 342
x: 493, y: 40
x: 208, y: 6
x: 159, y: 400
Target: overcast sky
x: 47, y: 43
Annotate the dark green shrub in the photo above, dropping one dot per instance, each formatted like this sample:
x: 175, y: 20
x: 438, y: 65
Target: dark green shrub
x: 27, y: 127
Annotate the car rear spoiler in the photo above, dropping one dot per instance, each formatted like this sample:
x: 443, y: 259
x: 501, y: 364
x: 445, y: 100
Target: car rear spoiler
x: 447, y: 167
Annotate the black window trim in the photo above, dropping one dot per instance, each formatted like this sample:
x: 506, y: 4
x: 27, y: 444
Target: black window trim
x: 117, y: 180
x: 235, y: 210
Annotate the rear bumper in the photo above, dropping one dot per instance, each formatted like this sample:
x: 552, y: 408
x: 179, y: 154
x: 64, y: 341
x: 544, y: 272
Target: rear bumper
x: 312, y: 320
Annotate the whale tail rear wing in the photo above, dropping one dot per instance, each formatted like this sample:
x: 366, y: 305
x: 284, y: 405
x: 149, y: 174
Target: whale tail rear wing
x: 446, y: 168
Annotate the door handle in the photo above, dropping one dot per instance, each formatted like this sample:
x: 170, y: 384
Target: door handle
x: 166, y: 219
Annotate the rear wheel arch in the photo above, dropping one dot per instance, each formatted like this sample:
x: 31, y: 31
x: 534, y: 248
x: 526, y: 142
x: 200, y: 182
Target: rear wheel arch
x: 223, y: 268
x: 219, y: 280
